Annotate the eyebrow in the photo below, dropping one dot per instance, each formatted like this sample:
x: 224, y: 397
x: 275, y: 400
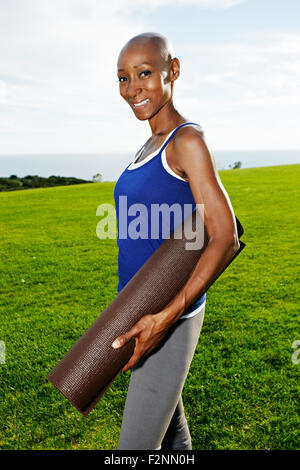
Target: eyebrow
x: 136, y: 66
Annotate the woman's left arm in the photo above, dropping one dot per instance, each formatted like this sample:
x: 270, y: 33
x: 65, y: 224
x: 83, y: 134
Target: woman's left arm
x: 195, y: 160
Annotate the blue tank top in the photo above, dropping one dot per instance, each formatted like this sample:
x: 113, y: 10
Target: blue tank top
x: 148, y: 182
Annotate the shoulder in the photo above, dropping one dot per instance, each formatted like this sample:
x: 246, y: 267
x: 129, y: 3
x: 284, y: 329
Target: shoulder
x: 188, y: 137
x: 190, y: 148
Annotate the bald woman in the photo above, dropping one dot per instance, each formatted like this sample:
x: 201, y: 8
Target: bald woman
x: 173, y: 166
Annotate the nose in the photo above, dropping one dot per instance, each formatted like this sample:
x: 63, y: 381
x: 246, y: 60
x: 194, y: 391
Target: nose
x: 133, y: 89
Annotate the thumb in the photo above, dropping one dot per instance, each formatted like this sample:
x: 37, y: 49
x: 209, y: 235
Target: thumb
x: 121, y: 340
x: 118, y: 342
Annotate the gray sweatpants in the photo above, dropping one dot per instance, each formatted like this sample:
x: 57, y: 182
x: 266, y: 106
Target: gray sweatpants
x: 154, y: 414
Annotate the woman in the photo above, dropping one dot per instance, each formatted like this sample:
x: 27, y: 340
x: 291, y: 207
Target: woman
x: 173, y: 166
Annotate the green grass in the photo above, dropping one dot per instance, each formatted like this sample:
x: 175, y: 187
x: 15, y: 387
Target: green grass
x: 57, y: 277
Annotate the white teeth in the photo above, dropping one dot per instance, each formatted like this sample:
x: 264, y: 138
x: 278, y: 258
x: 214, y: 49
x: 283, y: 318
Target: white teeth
x: 141, y: 103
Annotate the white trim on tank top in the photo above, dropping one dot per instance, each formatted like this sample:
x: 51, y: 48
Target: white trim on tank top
x: 133, y: 165
x: 151, y: 155
x: 168, y: 168
x: 194, y: 312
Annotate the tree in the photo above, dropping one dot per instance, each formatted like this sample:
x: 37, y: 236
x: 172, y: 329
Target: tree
x: 236, y: 165
x: 97, y: 178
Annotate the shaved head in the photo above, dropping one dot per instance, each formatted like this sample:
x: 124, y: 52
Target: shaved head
x: 160, y: 44
x: 147, y: 70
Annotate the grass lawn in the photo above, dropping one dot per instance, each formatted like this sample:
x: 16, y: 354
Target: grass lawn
x: 57, y: 276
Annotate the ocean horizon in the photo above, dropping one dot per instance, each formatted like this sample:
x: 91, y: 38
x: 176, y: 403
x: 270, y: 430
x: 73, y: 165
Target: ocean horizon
x: 111, y: 165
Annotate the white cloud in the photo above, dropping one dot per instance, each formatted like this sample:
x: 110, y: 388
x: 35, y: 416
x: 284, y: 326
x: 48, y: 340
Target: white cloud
x: 246, y: 94
x: 60, y: 67
x: 206, y: 4
x: 209, y: 4
x: 270, y: 67
x: 58, y: 79
x: 3, y: 92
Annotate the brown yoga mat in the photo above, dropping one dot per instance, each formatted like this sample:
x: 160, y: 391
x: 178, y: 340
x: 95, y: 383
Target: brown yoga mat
x: 88, y: 369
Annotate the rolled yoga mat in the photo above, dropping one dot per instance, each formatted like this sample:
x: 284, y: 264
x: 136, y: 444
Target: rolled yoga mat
x: 88, y: 369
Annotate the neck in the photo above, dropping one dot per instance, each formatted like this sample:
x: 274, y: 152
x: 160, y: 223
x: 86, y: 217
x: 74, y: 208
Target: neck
x: 166, y: 119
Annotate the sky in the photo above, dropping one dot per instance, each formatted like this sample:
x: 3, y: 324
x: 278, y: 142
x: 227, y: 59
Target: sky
x: 240, y: 72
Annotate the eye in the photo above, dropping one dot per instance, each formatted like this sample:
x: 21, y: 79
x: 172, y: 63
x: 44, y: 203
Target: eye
x: 146, y: 73
x: 121, y: 79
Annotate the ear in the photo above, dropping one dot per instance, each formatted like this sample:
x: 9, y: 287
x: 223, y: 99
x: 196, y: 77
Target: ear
x: 174, y: 69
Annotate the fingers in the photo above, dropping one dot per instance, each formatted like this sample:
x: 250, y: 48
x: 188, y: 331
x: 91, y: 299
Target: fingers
x: 127, y: 366
x: 136, y: 332
x: 138, y: 353
x: 133, y: 360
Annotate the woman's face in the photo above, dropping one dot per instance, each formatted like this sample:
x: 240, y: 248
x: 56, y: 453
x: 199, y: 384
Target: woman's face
x: 144, y: 78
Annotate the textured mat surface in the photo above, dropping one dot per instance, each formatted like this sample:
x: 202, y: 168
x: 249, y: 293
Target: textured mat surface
x: 87, y: 370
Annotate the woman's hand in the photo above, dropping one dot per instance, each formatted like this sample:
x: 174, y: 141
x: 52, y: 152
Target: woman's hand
x: 147, y: 332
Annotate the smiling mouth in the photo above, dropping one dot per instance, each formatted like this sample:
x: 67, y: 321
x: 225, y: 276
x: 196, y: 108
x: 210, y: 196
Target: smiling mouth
x: 141, y: 103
